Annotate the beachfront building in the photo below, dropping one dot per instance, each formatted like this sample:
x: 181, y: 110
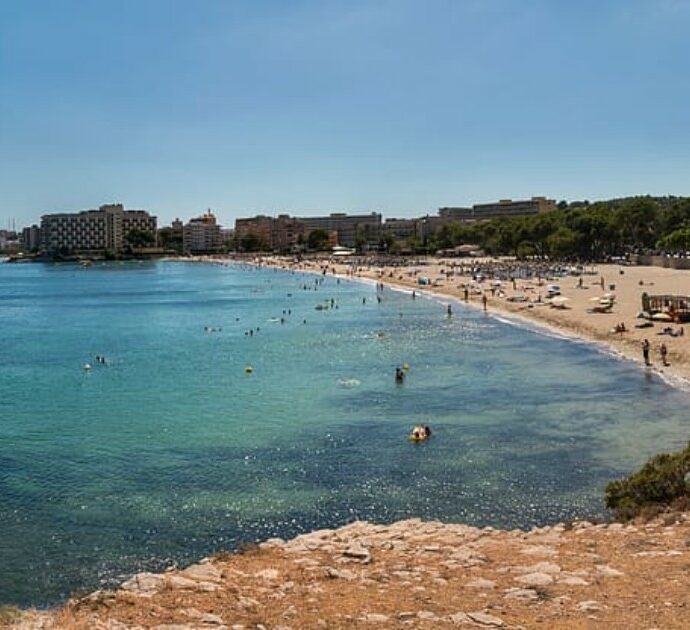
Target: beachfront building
x: 94, y: 231
x: 277, y: 234
x: 505, y: 208
x: 31, y: 238
x: 285, y: 233
x: 351, y: 230
x: 399, y: 229
x: 202, y: 235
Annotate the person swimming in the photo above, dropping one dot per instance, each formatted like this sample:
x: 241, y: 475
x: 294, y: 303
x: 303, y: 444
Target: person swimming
x: 420, y: 433
x: 399, y: 375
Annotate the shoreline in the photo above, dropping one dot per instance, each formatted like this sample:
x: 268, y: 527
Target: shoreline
x: 556, y: 324
x: 411, y: 573
x: 127, y: 600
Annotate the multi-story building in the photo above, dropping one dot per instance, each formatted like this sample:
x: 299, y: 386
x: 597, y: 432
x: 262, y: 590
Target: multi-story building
x: 399, y: 229
x: 282, y: 233
x: 202, y: 235
x: 504, y: 208
x: 260, y: 226
x: 352, y: 230
x: 31, y: 238
x: 94, y: 231
x: 8, y: 240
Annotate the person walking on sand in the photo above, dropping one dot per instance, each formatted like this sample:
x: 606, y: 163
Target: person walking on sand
x: 663, y: 351
x: 645, y: 351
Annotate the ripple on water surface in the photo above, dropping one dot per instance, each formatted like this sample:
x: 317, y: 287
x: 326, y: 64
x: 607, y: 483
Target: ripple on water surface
x: 172, y: 450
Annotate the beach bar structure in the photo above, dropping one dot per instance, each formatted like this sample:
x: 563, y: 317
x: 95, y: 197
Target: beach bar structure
x: 678, y: 306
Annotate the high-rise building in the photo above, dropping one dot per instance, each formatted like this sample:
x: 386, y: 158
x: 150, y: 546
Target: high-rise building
x: 202, y: 235
x: 31, y: 238
x: 94, y: 231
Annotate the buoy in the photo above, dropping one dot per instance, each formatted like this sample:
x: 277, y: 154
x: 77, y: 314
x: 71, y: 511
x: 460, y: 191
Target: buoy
x: 249, y: 369
x: 406, y: 367
x: 87, y: 366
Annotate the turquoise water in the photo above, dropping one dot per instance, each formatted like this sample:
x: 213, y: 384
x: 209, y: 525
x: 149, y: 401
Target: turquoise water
x: 172, y: 451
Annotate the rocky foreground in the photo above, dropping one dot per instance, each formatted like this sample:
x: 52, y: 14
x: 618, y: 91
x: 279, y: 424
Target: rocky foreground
x: 414, y: 574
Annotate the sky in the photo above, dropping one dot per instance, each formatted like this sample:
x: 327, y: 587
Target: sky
x: 316, y: 106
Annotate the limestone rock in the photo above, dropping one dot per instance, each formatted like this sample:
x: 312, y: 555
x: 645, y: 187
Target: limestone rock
x: 606, y: 571
x: 589, y: 606
x: 542, y: 567
x: 343, y: 574
x: 573, y: 580
x: 376, y: 618
x: 535, y: 579
x: 481, y: 583
x: 177, y: 582
x: 202, y: 572
x: 144, y: 583
x: 525, y: 594
x: 426, y: 615
x: 486, y: 620
x: 267, y: 574
x: 358, y: 552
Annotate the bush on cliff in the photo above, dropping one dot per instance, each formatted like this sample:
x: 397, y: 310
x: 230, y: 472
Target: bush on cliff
x: 662, y: 482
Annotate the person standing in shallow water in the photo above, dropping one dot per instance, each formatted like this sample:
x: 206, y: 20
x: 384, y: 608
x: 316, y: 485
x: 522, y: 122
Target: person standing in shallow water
x: 449, y: 310
x: 645, y: 351
x: 484, y: 301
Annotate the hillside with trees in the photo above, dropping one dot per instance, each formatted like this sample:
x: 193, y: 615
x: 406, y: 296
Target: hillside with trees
x: 579, y: 230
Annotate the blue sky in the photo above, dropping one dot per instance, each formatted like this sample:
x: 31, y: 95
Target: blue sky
x: 310, y: 106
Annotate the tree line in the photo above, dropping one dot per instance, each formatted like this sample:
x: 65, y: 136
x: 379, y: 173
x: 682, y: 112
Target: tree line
x: 578, y: 230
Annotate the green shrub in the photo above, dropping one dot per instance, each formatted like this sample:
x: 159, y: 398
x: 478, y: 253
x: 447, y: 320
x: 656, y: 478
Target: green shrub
x: 660, y: 482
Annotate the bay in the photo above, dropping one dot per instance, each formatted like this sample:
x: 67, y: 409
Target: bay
x: 172, y: 450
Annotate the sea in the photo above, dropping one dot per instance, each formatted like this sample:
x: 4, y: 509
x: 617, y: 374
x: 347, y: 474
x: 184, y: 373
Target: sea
x: 196, y: 436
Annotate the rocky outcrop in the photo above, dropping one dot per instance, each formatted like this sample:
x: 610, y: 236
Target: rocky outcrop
x: 413, y: 574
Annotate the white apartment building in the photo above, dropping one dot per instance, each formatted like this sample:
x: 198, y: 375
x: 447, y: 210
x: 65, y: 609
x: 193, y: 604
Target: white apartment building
x: 202, y: 235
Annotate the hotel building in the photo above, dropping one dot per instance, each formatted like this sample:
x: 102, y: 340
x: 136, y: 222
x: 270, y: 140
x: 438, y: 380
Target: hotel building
x: 202, y: 235
x: 93, y: 231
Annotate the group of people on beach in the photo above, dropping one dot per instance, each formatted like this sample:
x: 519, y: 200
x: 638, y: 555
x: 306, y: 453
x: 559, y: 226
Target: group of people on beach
x: 663, y: 352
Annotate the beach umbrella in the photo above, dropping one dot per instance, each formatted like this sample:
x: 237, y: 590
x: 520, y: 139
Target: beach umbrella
x: 559, y: 301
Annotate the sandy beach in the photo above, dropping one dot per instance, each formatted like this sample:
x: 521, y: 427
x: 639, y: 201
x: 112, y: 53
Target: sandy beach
x: 576, y: 319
